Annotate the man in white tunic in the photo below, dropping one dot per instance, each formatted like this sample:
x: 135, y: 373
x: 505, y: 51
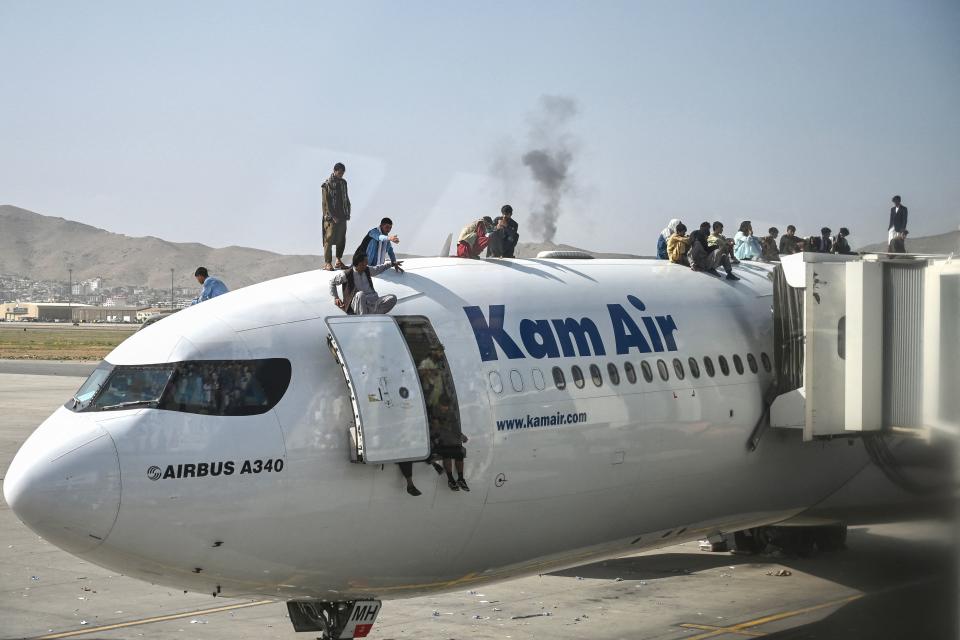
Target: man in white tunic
x: 359, y: 296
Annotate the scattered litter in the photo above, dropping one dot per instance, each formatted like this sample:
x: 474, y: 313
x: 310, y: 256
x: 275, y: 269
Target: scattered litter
x: 724, y: 575
x: 579, y: 578
x: 643, y: 582
x: 780, y: 572
x: 118, y: 611
x: 80, y: 598
x: 497, y: 609
x: 198, y: 622
x: 84, y: 622
x: 34, y: 578
x: 542, y: 614
x: 436, y: 614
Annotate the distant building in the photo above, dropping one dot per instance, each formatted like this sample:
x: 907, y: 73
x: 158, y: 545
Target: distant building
x: 40, y: 311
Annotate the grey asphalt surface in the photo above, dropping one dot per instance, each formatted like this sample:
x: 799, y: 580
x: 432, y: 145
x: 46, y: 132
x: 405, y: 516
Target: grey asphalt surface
x: 70, y: 368
x: 893, y: 581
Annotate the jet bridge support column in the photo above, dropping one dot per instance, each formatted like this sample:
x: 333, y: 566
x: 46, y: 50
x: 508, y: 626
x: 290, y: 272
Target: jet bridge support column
x: 863, y: 346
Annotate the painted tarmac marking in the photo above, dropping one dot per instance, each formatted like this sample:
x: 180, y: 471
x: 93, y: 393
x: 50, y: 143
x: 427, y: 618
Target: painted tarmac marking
x: 135, y: 623
x: 740, y: 628
x: 707, y: 627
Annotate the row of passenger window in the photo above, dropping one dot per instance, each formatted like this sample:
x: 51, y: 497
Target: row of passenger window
x: 663, y: 369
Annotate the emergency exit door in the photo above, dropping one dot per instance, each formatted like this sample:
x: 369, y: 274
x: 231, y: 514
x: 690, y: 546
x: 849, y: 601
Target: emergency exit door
x: 389, y: 411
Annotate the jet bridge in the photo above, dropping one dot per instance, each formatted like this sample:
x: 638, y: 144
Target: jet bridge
x: 867, y: 344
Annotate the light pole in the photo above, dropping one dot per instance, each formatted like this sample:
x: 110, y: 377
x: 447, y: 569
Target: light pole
x: 171, y: 289
x: 70, y: 293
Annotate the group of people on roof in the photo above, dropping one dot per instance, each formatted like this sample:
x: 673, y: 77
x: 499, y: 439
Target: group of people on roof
x: 707, y: 249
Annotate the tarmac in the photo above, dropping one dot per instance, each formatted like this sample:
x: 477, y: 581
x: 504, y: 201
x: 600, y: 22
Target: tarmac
x: 893, y: 581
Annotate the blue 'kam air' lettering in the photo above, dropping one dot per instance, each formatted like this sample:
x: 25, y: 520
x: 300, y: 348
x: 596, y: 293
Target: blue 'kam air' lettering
x: 570, y: 337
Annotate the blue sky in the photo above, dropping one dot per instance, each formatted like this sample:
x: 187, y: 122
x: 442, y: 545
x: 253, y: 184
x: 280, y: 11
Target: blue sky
x: 216, y: 122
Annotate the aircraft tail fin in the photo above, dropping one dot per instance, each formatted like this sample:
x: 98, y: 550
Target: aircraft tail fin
x: 445, y: 251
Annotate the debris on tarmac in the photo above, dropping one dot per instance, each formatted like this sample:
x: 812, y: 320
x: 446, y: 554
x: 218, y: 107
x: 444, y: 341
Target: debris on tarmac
x: 780, y: 573
x: 542, y: 614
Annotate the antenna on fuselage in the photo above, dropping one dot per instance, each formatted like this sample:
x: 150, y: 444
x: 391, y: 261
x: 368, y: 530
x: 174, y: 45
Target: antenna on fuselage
x: 445, y: 251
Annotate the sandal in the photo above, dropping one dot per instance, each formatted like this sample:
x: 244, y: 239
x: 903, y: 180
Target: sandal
x: 327, y: 266
x: 339, y: 264
x: 412, y: 490
x: 453, y: 485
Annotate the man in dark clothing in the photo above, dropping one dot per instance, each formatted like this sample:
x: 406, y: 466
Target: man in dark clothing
x: 789, y: 242
x: 825, y: 244
x: 336, y: 212
x: 897, y: 228
x: 705, y: 256
x: 769, y: 245
x: 840, y: 244
x: 504, y: 237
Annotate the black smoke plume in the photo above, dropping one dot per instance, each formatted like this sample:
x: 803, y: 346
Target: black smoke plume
x: 549, y: 161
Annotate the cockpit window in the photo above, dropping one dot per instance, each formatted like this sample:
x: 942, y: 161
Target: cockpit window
x: 89, y: 389
x: 131, y: 387
x: 243, y: 388
x: 209, y: 387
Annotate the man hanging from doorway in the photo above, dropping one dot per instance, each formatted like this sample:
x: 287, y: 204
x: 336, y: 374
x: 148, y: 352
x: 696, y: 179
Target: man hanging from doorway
x: 448, y: 444
x: 359, y: 296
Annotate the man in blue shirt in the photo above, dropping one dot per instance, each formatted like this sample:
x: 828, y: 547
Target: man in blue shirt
x: 378, y: 245
x: 212, y: 287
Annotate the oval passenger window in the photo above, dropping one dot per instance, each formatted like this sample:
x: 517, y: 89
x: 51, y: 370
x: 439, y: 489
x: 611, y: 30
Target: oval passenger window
x: 678, y: 368
x: 708, y: 365
x: 595, y: 375
x: 496, y: 382
x: 538, y: 380
x: 664, y: 371
x: 752, y: 363
x: 516, y: 380
x: 694, y: 367
x: 647, y: 371
x: 631, y: 372
x: 724, y: 367
x: 613, y: 373
x: 559, y: 380
x: 577, y: 373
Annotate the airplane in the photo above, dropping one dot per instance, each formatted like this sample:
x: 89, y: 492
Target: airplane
x: 246, y: 446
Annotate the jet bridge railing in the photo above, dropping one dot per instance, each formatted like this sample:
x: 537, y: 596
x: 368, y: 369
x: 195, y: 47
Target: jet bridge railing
x: 867, y: 344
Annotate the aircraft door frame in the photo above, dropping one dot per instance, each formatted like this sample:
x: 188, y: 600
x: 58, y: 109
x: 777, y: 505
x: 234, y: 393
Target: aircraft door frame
x: 390, y: 416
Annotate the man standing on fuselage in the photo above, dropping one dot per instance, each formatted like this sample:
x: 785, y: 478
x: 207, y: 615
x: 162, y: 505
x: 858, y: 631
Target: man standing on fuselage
x: 336, y: 212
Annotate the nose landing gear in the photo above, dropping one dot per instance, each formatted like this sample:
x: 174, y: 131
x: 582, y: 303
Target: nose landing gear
x: 334, y: 620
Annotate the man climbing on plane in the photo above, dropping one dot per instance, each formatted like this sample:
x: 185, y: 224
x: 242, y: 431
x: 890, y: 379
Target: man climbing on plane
x: 376, y: 245
x: 359, y: 295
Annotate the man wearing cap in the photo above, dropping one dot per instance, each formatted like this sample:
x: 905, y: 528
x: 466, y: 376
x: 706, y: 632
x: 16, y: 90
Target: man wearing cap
x: 503, y: 240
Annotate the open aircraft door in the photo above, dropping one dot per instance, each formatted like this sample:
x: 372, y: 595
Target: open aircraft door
x: 388, y: 406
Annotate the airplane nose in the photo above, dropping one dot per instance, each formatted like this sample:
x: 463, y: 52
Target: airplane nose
x: 64, y: 483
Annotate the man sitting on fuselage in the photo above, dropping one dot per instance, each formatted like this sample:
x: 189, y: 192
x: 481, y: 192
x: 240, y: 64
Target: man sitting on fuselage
x: 359, y: 296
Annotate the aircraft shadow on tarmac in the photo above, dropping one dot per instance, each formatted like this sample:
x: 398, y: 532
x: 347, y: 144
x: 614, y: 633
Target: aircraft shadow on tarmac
x: 909, y: 586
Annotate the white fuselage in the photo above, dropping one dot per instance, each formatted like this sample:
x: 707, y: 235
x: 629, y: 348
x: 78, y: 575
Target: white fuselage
x: 558, y: 476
